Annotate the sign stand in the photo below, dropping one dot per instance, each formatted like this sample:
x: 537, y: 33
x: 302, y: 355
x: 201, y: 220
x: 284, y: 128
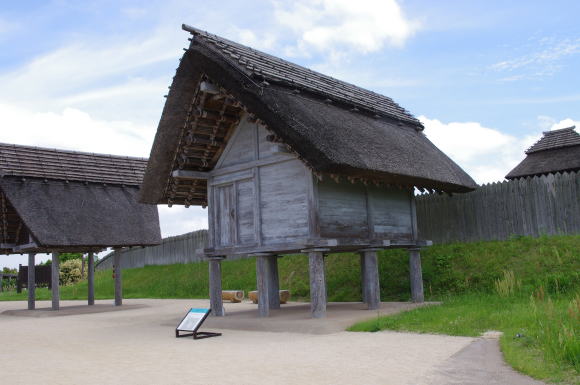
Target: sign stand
x: 192, y: 322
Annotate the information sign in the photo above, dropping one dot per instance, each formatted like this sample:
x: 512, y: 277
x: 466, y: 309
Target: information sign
x: 192, y: 322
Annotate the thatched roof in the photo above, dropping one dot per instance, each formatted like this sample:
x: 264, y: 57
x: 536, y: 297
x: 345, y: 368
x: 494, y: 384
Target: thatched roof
x: 556, y: 151
x: 333, y: 126
x: 46, y: 163
x: 53, y: 200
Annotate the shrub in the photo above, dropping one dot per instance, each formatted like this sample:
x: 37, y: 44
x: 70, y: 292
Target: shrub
x: 70, y: 272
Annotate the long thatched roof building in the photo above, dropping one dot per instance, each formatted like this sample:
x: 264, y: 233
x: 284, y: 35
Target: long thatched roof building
x: 556, y: 151
x: 65, y: 201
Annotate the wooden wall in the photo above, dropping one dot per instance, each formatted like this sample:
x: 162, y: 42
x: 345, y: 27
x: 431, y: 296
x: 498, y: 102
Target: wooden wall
x: 184, y: 248
x: 532, y: 207
x: 357, y: 211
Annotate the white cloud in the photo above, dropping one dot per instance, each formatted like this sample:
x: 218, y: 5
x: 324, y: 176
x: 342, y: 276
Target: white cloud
x: 335, y: 25
x: 541, y: 63
x: 485, y: 153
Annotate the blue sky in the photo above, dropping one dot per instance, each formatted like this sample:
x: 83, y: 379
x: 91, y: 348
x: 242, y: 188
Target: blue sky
x: 485, y: 77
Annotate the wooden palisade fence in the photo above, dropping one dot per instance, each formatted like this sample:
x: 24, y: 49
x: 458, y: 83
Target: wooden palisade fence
x: 185, y: 248
x: 545, y: 205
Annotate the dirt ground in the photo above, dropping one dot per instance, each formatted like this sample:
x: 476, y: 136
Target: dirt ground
x: 136, y: 344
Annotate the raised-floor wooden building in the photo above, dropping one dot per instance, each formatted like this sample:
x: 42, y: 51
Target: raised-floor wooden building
x: 290, y: 160
x: 56, y: 201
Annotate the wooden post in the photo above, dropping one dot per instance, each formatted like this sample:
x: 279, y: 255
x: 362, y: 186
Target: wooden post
x: 91, y: 279
x: 317, y: 282
x: 118, y: 278
x: 1, y: 282
x: 263, y: 285
x: 55, y: 280
x: 371, y: 286
x: 31, y: 282
x: 416, y: 275
x: 273, y: 282
x: 215, y: 287
x: 363, y: 278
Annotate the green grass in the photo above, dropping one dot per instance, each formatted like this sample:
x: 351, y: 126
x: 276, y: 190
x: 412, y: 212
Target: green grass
x: 541, y: 334
x: 551, y: 262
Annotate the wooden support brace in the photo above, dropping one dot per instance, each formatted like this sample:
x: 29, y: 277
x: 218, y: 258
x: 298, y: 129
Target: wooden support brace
x: 91, y: 279
x: 55, y: 280
x: 31, y: 282
x: 416, y: 275
x: 118, y: 278
x: 215, y: 287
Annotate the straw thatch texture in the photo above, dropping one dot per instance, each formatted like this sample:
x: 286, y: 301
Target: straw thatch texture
x: 62, y: 215
x: 333, y: 126
x: 556, y: 151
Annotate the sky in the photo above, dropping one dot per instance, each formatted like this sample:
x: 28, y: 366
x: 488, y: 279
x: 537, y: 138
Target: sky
x: 485, y: 77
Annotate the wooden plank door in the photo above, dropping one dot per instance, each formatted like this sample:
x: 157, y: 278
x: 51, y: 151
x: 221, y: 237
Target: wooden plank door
x: 225, y: 230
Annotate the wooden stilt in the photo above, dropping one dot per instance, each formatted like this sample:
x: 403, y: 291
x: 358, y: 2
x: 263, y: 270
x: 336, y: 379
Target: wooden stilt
x: 118, y: 278
x: 371, y: 286
x: 263, y: 283
x: 317, y: 283
x: 416, y: 275
x: 273, y: 282
x: 55, y: 280
x: 215, y: 287
x: 363, y: 278
x: 91, y: 279
x: 31, y: 288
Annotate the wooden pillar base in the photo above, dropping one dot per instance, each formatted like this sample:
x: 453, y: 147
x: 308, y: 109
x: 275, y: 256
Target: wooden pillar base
x: 317, y: 282
x: 371, y: 285
x: 215, y: 287
x: 91, y: 279
x: 31, y: 286
x: 416, y: 275
x: 55, y: 280
x: 118, y: 278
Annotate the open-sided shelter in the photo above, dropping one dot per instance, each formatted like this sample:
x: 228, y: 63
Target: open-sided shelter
x: 55, y: 201
x: 556, y: 151
x: 290, y: 160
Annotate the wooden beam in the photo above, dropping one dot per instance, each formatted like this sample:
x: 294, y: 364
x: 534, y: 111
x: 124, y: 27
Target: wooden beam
x: 31, y: 282
x: 26, y: 246
x: 189, y: 174
x: 91, y: 279
x: 416, y: 275
x: 118, y: 279
x: 215, y: 287
x: 54, y: 278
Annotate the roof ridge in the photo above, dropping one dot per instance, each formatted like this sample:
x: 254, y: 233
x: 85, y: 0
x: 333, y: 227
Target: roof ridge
x: 254, y: 63
x: 571, y: 128
x: 57, y: 150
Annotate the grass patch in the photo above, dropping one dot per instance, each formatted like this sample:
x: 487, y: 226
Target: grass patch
x: 541, y: 333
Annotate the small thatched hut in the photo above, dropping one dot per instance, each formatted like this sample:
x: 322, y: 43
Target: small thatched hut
x: 290, y: 160
x: 556, y: 151
x: 55, y: 201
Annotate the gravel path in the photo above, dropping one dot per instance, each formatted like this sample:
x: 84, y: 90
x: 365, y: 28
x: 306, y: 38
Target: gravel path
x: 136, y: 345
